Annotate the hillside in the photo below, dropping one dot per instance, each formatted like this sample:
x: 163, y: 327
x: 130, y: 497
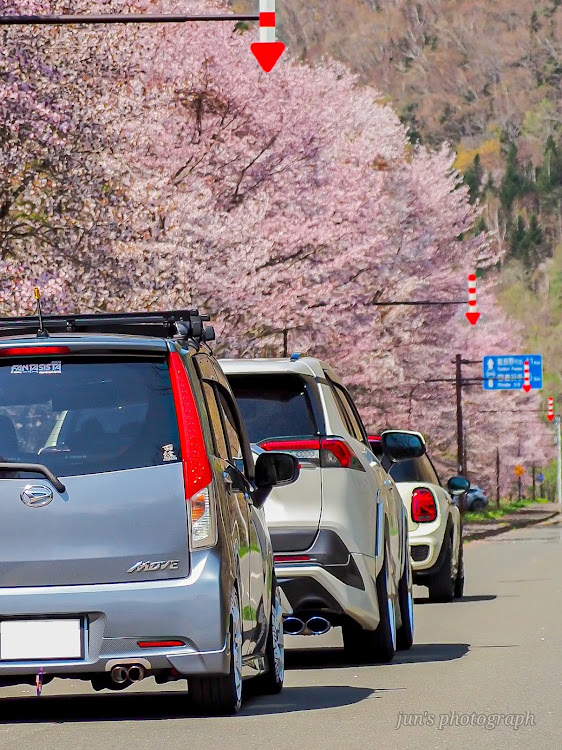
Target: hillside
x: 485, y: 76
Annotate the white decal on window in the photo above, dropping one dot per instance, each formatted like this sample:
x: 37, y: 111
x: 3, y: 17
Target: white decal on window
x: 40, y: 368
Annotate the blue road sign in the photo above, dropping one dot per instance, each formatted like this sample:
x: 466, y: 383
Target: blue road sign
x: 504, y: 372
x: 540, y: 478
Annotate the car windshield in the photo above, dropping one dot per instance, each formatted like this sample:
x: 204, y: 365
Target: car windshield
x: 414, y: 470
x: 86, y: 416
x: 273, y: 406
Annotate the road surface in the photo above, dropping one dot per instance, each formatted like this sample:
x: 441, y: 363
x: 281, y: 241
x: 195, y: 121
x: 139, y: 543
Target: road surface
x: 479, y: 668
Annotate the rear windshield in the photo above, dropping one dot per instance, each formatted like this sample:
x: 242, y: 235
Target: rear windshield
x: 274, y: 406
x: 414, y: 470
x: 86, y: 416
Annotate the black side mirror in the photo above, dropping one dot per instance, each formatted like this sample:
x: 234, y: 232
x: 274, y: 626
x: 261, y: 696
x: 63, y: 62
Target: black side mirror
x: 458, y: 485
x: 399, y: 446
x: 274, y: 470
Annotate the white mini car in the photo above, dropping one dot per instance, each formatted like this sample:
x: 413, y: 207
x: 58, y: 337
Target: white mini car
x: 340, y: 534
x: 434, y: 522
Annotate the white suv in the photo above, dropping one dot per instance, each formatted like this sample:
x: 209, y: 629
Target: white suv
x: 340, y: 533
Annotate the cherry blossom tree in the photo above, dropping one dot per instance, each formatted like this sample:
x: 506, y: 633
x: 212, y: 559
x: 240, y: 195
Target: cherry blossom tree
x: 61, y: 205
x: 285, y: 204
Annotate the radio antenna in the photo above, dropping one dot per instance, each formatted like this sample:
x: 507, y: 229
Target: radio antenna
x: 42, y: 333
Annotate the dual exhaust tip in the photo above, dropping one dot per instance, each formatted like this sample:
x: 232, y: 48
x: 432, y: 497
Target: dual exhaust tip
x: 315, y: 625
x: 123, y: 674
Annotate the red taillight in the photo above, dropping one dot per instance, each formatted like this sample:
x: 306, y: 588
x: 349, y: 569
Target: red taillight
x: 291, y: 558
x: 328, y: 452
x: 424, y: 508
x: 160, y: 644
x: 290, y: 445
x: 196, y: 468
x: 336, y: 453
x: 34, y: 351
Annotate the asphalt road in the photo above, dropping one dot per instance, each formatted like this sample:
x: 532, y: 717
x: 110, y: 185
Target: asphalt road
x: 479, y: 666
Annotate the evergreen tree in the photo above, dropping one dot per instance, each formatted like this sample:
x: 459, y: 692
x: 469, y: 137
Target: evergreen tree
x: 473, y: 178
x: 514, y: 183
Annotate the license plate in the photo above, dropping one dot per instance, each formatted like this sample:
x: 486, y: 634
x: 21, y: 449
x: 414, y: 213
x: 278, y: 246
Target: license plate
x: 23, y: 640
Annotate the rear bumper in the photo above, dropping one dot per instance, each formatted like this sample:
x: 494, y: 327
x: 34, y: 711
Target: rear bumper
x: 116, y: 616
x: 425, y: 548
x: 312, y: 588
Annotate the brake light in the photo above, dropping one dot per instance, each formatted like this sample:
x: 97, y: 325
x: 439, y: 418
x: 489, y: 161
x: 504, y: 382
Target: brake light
x: 424, y: 507
x: 196, y: 468
x: 308, y: 449
x: 291, y: 558
x: 336, y: 453
x: 329, y: 453
x: 34, y: 351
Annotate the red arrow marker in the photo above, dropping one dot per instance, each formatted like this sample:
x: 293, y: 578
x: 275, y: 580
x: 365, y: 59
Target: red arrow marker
x: 472, y: 315
x: 267, y: 51
x: 526, y: 377
x: 550, y: 413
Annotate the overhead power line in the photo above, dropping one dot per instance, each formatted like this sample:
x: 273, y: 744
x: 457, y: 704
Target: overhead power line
x: 64, y: 20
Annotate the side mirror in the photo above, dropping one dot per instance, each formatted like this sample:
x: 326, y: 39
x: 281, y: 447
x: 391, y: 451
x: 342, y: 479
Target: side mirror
x: 458, y: 485
x: 274, y: 470
x: 399, y: 446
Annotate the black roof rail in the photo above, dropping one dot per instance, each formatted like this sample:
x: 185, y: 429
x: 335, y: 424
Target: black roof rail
x: 179, y: 324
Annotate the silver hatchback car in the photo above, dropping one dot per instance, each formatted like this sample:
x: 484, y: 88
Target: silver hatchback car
x: 133, y: 539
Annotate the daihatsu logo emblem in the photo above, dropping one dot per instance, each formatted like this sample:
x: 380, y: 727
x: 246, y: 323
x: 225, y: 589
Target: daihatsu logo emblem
x: 36, y: 495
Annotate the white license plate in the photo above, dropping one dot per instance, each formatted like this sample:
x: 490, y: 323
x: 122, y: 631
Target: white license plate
x: 22, y: 640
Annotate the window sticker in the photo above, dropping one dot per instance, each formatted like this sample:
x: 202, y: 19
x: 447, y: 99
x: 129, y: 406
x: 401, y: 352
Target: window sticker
x: 168, y: 453
x: 39, y: 368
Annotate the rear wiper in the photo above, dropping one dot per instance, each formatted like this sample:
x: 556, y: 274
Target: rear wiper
x: 36, y: 469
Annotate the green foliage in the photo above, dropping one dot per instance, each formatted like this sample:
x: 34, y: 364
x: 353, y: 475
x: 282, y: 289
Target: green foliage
x: 525, y: 241
x: 473, y: 178
x: 514, y: 183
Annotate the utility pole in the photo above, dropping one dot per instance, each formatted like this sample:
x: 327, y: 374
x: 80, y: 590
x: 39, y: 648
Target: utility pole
x: 285, y: 342
x: 497, y: 477
x: 461, y: 466
x: 558, y: 463
x: 461, y: 456
x: 534, y: 483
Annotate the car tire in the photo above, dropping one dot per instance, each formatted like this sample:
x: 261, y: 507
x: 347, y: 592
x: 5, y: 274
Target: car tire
x: 459, y: 581
x: 373, y: 646
x: 441, y: 584
x: 477, y: 505
x: 405, y: 633
x: 271, y: 682
x: 222, y: 694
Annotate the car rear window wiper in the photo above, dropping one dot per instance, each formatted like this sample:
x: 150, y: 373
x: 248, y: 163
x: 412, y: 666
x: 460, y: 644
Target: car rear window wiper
x: 36, y: 469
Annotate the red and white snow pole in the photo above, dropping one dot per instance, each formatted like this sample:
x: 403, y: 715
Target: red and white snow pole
x: 526, y: 376
x: 472, y: 315
x: 550, y: 412
x: 267, y: 51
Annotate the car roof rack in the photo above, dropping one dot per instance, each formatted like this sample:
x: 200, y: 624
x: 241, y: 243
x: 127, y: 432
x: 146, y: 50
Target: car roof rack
x: 179, y: 324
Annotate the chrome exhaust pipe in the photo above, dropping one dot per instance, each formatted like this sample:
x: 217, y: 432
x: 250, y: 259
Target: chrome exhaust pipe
x: 293, y: 626
x: 136, y: 673
x: 120, y: 674
x: 318, y: 625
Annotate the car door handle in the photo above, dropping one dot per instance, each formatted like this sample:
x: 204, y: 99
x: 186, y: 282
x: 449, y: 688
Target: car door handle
x: 388, y: 483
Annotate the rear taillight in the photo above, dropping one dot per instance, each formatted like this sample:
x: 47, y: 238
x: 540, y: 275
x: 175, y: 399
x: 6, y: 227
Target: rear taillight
x: 197, y: 474
x: 34, y: 351
x: 291, y: 558
x: 337, y: 454
x: 329, y: 453
x: 307, y: 450
x: 424, y: 507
